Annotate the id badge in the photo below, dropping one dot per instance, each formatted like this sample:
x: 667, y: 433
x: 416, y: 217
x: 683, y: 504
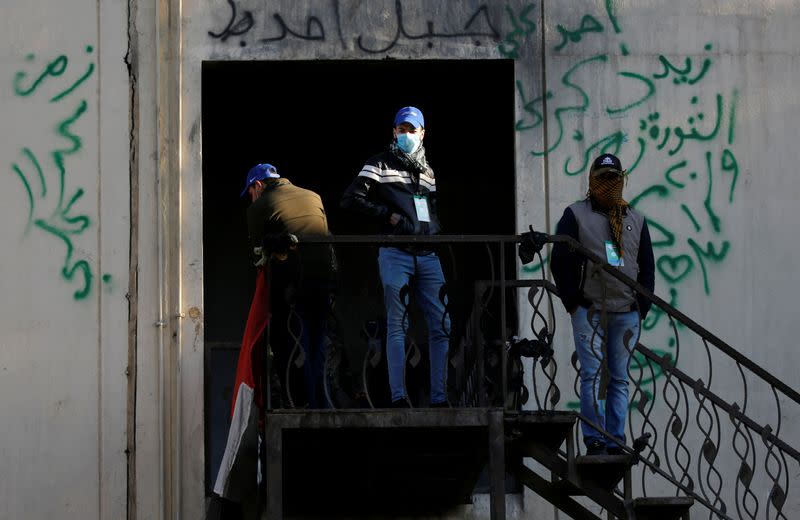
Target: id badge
x: 612, y: 255
x: 421, y: 205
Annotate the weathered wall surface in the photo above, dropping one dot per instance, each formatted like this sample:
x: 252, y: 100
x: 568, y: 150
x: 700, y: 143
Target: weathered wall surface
x: 698, y: 98
x: 64, y: 268
x: 309, y: 30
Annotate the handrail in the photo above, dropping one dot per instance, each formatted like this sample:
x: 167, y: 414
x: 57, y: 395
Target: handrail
x: 731, y: 410
x: 408, y: 239
x: 652, y: 466
x: 696, y: 385
x: 675, y: 313
x: 678, y: 476
x: 577, y: 246
x: 706, y: 411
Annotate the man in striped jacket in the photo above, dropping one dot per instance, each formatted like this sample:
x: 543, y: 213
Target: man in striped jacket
x: 397, y: 189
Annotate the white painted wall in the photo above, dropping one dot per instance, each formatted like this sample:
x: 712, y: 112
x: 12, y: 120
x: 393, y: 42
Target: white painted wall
x: 64, y: 269
x: 63, y: 390
x: 731, y: 189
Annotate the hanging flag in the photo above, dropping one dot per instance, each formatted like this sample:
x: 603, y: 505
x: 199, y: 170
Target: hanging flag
x: 238, y: 473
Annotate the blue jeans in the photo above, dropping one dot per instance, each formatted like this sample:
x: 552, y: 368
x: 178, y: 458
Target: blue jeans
x: 423, y: 273
x: 312, y: 307
x: 589, y: 339
x: 306, y: 324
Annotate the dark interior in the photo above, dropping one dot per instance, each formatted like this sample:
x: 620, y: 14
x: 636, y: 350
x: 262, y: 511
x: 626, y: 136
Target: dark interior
x: 317, y: 122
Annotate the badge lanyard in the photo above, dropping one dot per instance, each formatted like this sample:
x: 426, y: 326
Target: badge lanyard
x: 421, y: 204
x: 612, y: 255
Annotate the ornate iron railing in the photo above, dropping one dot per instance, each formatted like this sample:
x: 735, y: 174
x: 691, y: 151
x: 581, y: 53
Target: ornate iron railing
x: 471, y: 381
x: 714, y: 445
x: 683, y: 424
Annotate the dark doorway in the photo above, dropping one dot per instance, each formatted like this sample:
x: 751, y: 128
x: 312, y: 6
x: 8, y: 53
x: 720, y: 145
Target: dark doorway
x: 317, y: 122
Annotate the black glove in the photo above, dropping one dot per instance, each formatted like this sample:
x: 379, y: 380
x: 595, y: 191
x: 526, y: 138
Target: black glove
x: 532, y: 348
x: 279, y: 245
x: 531, y: 243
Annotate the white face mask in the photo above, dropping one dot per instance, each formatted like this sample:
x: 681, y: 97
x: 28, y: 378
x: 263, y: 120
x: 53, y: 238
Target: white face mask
x: 408, y: 142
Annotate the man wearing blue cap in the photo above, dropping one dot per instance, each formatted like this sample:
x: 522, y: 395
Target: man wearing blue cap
x: 606, y: 313
x: 302, y: 274
x: 397, y: 189
x: 279, y: 209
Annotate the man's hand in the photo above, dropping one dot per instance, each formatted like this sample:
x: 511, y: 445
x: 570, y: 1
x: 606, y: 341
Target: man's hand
x: 278, y: 246
x: 531, y: 243
x: 394, y: 219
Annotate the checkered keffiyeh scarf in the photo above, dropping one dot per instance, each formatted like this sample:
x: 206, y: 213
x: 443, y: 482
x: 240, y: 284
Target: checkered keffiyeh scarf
x: 414, y: 162
x: 607, y: 194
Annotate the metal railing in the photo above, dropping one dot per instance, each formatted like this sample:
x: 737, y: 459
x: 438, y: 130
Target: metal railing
x: 470, y: 388
x: 693, y: 432
x: 682, y: 424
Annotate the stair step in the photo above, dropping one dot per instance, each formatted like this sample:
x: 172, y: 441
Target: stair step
x: 376, y: 461
x: 662, y: 508
x: 605, y: 470
x: 566, y: 480
x: 567, y: 488
x: 557, y: 493
x: 547, y: 428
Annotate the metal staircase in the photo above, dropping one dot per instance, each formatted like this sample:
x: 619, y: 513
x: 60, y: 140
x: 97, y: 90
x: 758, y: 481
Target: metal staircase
x: 539, y: 435
x: 689, y: 439
x: 685, y: 434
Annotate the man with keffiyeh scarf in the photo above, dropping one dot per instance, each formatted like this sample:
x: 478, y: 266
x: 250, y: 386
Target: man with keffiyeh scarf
x: 397, y: 190
x: 606, y: 314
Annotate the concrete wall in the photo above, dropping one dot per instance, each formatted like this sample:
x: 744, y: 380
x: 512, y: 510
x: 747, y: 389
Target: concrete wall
x: 64, y: 270
x: 103, y: 189
x: 699, y: 101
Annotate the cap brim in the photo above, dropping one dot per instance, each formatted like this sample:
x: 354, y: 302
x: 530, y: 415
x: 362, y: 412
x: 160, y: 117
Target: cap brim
x: 605, y: 169
x: 413, y: 122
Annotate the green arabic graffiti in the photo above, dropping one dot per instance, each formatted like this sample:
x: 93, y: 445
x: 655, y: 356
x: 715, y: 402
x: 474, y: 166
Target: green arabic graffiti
x: 651, y: 89
x: 710, y: 254
x: 610, y: 12
x: 692, y: 143
x: 523, y: 26
x: 589, y: 24
x: 61, y: 222
x: 682, y: 74
x: 53, y: 69
x: 528, y: 107
x: 560, y: 112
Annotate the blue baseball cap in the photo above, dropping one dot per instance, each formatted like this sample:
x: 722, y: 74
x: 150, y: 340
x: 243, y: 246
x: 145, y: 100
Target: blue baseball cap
x: 259, y: 172
x: 411, y: 115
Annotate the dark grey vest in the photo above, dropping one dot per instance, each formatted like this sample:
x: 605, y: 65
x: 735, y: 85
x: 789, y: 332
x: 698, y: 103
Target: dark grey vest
x: 600, y: 288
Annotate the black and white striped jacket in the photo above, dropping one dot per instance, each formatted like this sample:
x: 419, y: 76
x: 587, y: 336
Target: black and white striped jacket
x: 383, y: 187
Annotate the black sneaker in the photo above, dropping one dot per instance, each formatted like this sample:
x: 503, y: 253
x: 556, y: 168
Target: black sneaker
x: 400, y: 403
x: 595, y: 448
x: 443, y: 404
